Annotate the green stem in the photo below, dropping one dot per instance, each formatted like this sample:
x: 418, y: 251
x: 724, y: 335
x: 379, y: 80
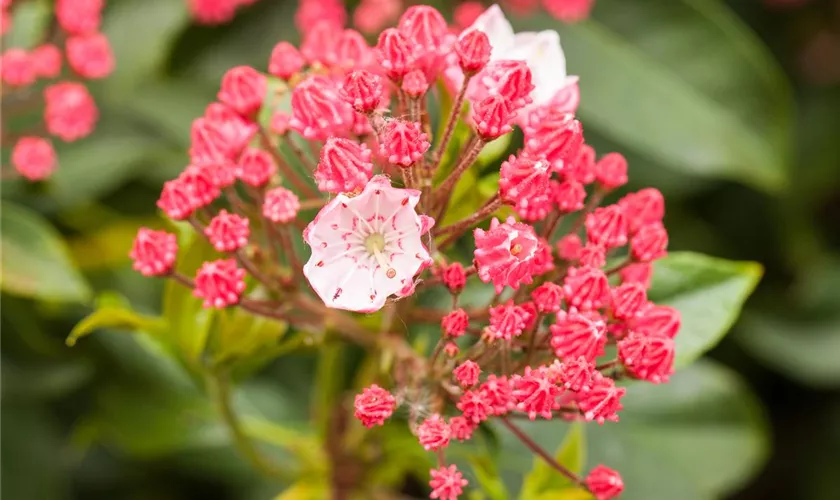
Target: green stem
x: 218, y: 384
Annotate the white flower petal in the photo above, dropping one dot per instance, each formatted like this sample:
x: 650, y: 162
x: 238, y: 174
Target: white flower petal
x: 495, y: 25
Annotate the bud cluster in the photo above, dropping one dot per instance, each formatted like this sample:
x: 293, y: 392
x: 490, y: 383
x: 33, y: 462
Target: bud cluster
x: 570, y: 277
x: 70, y: 112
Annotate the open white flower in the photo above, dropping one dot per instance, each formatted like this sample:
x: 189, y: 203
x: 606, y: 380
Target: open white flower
x: 368, y: 247
x: 540, y: 50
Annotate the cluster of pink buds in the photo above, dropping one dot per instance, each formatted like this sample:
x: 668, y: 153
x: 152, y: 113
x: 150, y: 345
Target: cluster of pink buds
x: 70, y: 112
x: 212, y: 12
x: 355, y: 144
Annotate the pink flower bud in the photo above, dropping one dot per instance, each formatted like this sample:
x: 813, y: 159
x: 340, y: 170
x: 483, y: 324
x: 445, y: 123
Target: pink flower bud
x: 281, y: 205
x: 575, y: 334
x: 34, y: 158
x: 649, y: 243
x: 374, y: 406
x: 455, y: 323
x: 535, y: 392
x: 17, y: 68
x: 286, y: 61
x: 548, y: 297
x: 78, y: 17
x: 637, y: 273
x: 352, y: 51
x: 153, y: 252
x: 220, y: 283
x: 657, y: 321
x: 642, y: 208
x: 447, y: 483
x: 243, y: 89
x: 434, y: 433
x: 395, y: 53
x: 454, y: 277
x: 414, y: 84
x: 569, y: 247
x: 492, y: 117
x: 611, y: 171
x: 462, y: 428
x: 648, y: 358
x: 507, y: 321
x: 403, y: 142
x: 46, y: 61
x: 602, y: 400
x: 628, y: 300
x: 318, y: 112
x: 90, y: 56
x: 473, y: 49
x: 227, y: 232
x: 344, y: 166
x: 467, y: 373
x: 363, y: 90
x: 255, y: 167
x: 523, y: 177
x: 423, y: 25
x: 175, y: 200
x: 606, y: 226
x: 576, y: 373
x: 556, y: 136
x: 586, y: 288
x: 70, y: 112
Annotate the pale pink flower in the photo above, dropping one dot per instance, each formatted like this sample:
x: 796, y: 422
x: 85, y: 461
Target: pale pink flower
x: 367, y: 247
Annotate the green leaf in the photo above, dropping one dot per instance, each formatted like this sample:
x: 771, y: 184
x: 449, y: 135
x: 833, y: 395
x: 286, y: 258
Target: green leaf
x: 117, y: 317
x: 89, y: 169
x: 34, y: 262
x: 696, y: 438
x: 803, y: 350
x: 188, y: 321
x: 683, y: 84
x: 709, y: 293
x: 141, y: 33
x: 572, y: 455
x: 30, y: 21
x: 488, y: 478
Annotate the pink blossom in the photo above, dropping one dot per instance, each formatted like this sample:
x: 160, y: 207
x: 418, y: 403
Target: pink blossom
x: 153, y: 252
x: 374, y: 406
x: 34, y: 158
x: 220, y: 283
x: 505, y: 252
x: 447, y: 483
x: 368, y: 247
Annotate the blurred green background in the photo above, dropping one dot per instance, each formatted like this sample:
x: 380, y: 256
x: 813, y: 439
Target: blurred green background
x: 731, y: 108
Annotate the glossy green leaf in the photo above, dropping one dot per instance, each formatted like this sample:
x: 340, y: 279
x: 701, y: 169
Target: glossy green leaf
x: 709, y: 293
x: 34, y: 261
x: 572, y: 455
x: 116, y: 317
x: 141, y: 33
x: 684, y: 84
x: 805, y: 351
x: 696, y: 438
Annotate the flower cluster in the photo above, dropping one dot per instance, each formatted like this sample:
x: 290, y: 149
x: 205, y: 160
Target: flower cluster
x: 70, y: 112
x: 334, y: 145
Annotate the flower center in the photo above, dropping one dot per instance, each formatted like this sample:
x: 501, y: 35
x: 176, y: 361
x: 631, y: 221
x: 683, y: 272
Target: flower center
x: 375, y: 245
